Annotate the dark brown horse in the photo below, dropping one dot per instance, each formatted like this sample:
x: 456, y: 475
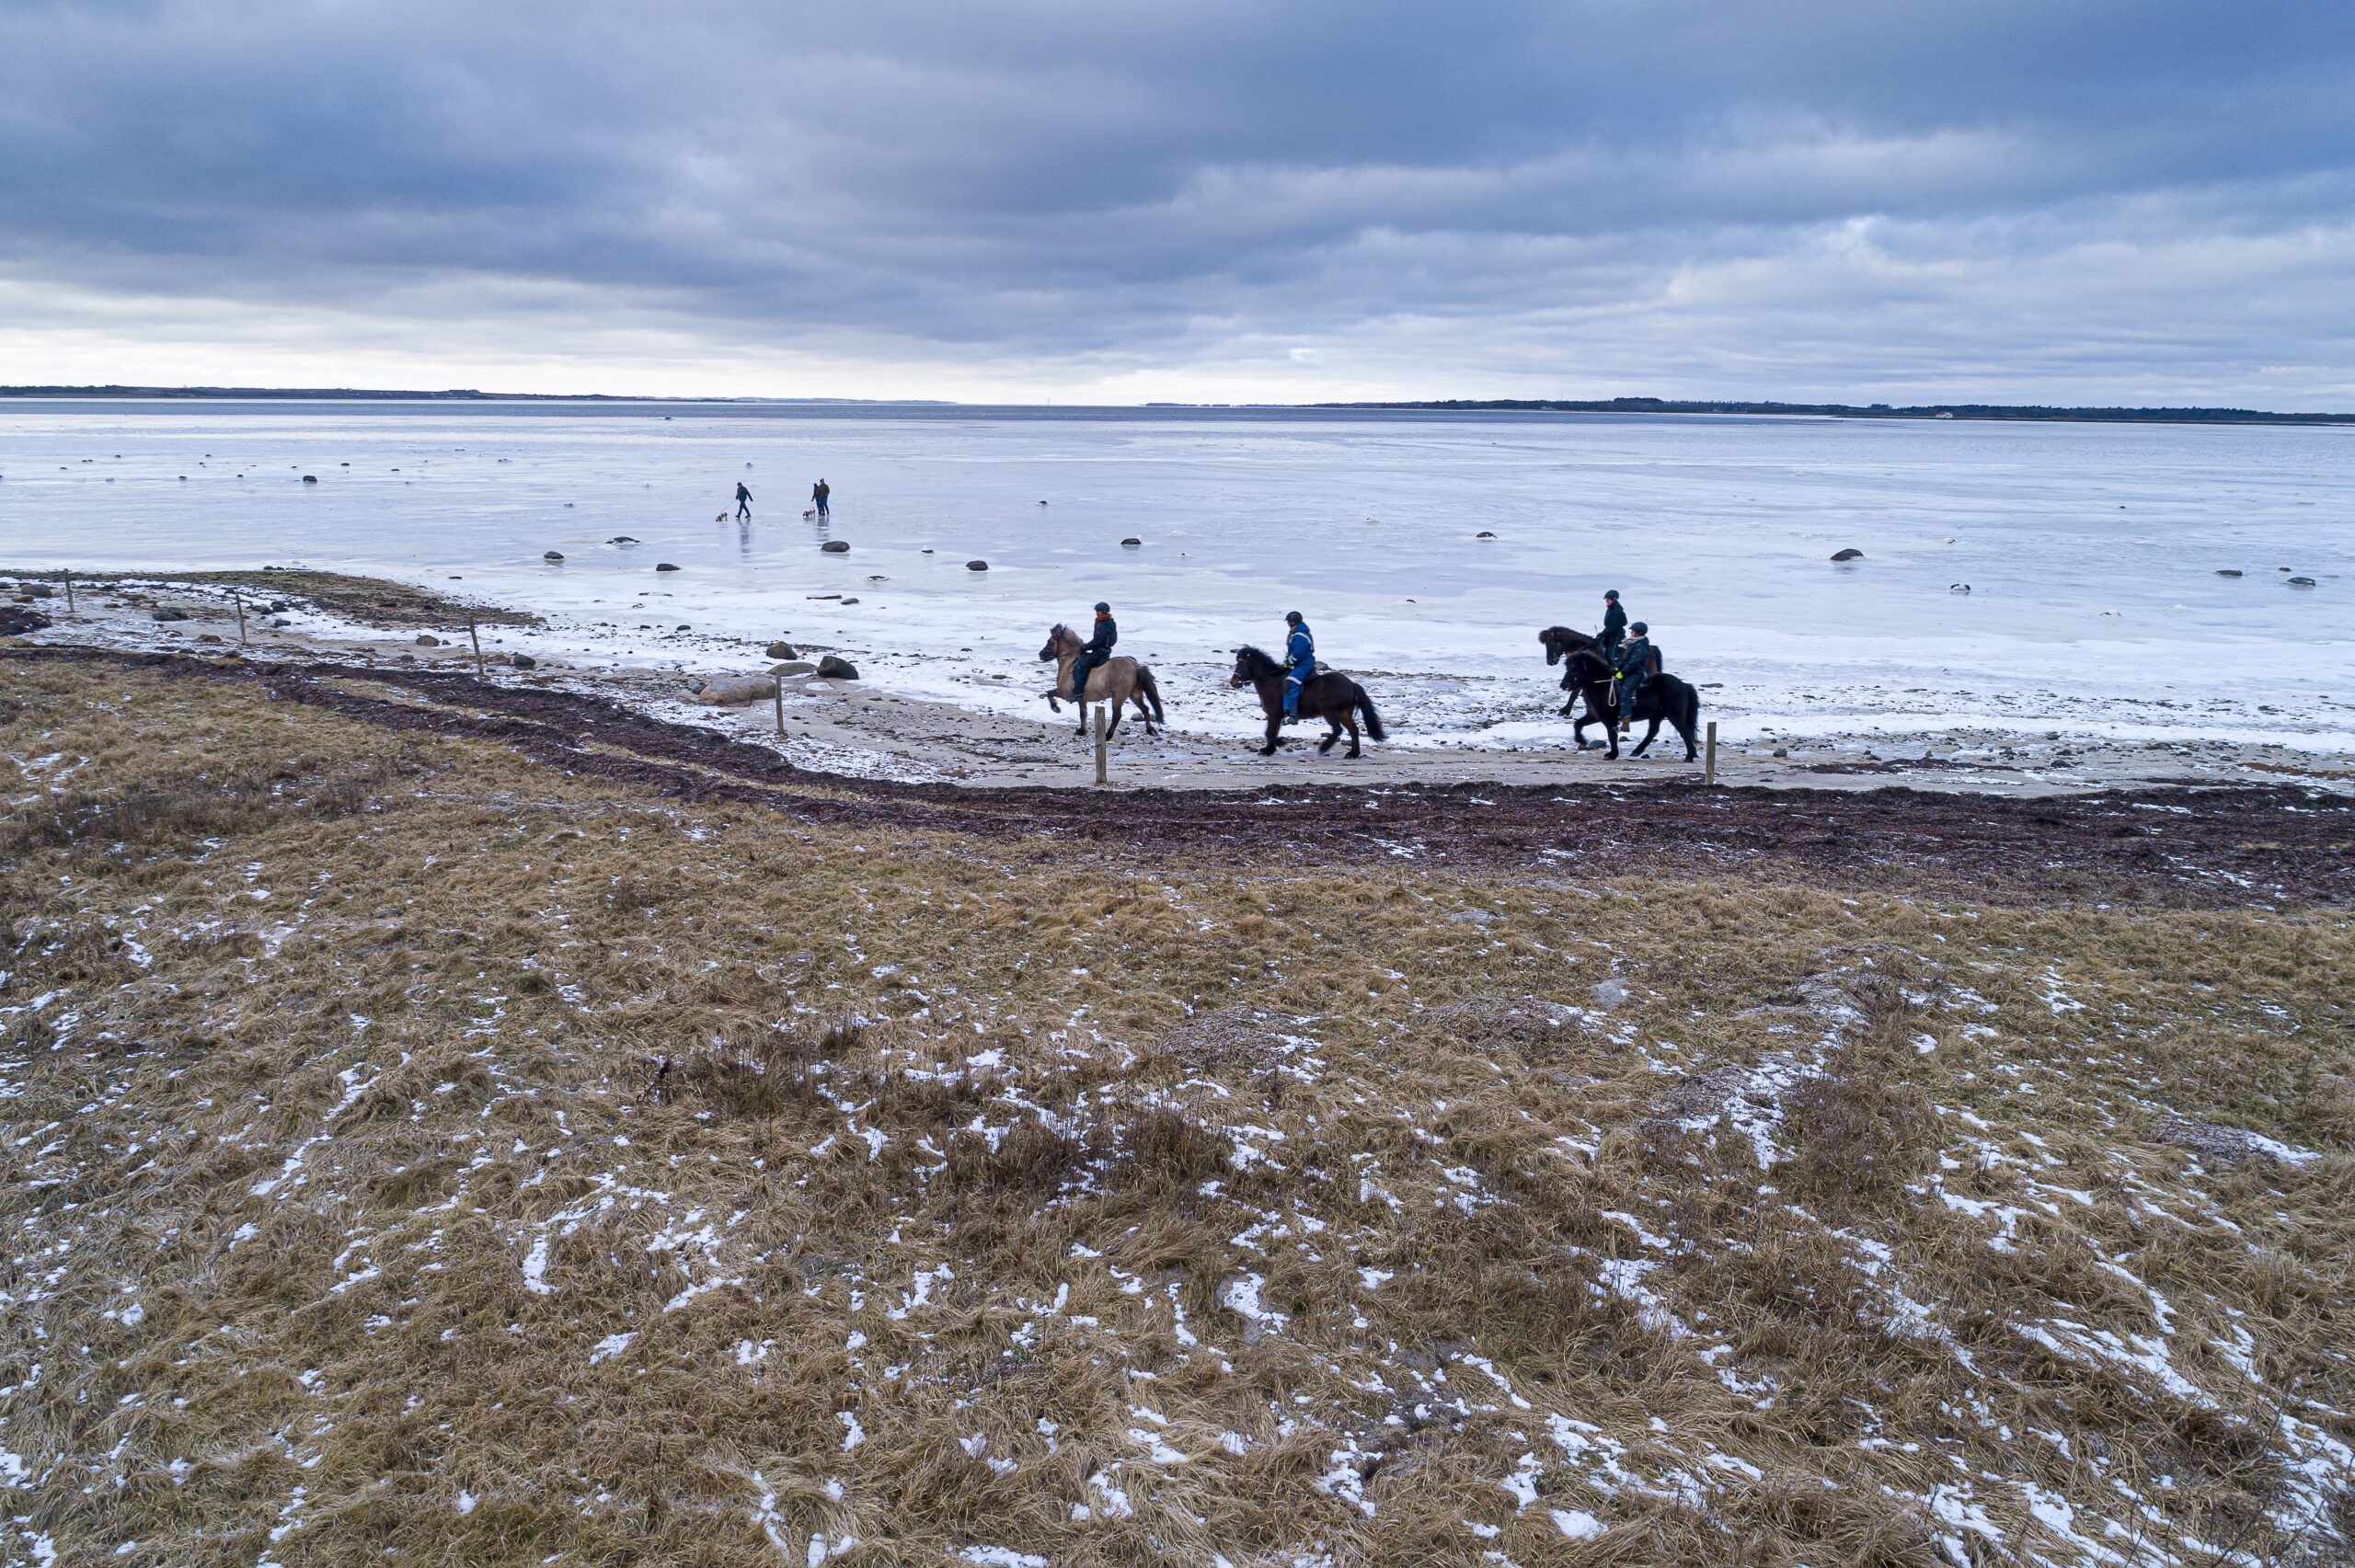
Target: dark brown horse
x: 1662, y: 697
x: 1560, y: 643
x: 1333, y: 697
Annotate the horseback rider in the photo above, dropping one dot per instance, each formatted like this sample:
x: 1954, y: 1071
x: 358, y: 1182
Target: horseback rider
x: 1614, y: 625
x: 1300, y: 663
x: 1098, y: 648
x: 1631, y: 664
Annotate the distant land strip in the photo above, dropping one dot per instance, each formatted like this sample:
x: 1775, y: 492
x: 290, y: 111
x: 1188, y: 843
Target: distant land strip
x: 2011, y: 411
x: 1863, y: 411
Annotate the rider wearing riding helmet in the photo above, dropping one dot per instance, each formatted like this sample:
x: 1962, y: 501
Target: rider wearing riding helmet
x: 1300, y: 663
x: 1631, y: 664
x: 1098, y: 648
x: 1615, y: 624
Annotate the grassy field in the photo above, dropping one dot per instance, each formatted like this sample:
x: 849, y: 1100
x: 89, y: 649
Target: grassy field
x: 419, y: 1153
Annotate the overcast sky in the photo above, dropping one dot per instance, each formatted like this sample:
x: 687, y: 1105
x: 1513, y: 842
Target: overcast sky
x: 2034, y: 201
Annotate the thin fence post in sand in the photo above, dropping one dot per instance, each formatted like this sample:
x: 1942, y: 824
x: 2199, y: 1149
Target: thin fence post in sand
x: 69, y: 594
x: 475, y: 638
x: 776, y: 690
x: 240, y: 601
x: 1709, y: 767
x: 1103, y: 775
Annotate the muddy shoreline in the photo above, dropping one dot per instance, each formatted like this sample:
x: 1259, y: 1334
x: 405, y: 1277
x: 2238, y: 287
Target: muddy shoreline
x: 2265, y: 845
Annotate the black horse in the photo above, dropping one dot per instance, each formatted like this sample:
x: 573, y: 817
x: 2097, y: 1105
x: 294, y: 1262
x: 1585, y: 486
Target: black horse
x: 1333, y: 697
x: 1663, y: 698
x: 1560, y: 643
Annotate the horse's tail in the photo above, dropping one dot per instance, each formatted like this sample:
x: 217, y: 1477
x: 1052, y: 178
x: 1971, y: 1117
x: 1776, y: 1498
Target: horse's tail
x: 1151, y: 690
x: 1688, y: 710
x: 1372, y: 720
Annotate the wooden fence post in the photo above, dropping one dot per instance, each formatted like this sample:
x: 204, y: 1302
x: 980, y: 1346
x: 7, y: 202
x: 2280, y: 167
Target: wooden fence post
x: 1103, y: 775
x: 477, y: 638
x: 776, y: 690
x: 1709, y: 768
x: 69, y: 594
x: 240, y: 601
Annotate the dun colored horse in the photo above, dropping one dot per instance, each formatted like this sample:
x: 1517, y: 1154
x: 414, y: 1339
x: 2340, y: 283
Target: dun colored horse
x: 1115, y: 681
x: 1335, y: 698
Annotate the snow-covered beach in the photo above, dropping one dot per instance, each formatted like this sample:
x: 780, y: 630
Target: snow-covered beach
x: 1426, y: 549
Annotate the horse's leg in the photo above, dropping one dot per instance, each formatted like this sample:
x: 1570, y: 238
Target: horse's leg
x: 1275, y: 726
x: 1332, y: 734
x: 1113, y: 728
x: 1351, y: 718
x: 1650, y: 735
x: 1145, y: 714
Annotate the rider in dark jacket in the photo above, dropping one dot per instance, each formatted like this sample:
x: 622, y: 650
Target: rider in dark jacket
x: 1097, y: 649
x: 1300, y: 663
x: 1632, y: 662
x: 1615, y: 624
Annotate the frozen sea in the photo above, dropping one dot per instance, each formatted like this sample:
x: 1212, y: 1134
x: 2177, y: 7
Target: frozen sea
x: 2092, y: 552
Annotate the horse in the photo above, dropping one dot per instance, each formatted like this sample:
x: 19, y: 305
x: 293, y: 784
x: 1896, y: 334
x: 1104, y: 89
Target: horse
x: 1662, y: 697
x: 1333, y: 697
x: 1115, y: 681
x: 1560, y: 643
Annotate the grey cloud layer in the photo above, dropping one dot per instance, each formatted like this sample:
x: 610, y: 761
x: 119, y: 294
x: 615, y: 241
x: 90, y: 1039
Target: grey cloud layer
x: 1785, y: 198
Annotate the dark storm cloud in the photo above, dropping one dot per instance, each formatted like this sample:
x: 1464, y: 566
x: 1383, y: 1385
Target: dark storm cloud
x: 1760, y: 198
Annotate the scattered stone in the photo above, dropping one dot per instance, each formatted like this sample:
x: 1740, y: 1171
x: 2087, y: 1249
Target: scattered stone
x: 170, y: 614
x: 208, y: 636
x: 621, y: 539
x: 1132, y: 543
x: 39, y: 591
x: 1782, y: 751
x: 784, y: 650
x: 2228, y: 571
x: 795, y: 667
x: 836, y: 547
x: 1483, y: 533
x: 835, y: 667
x: 664, y: 567
x: 1850, y: 554
x: 2302, y: 582
x: 733, y: 689
x: 551, y: 556
x: 523, y: 661
x: 16, y: 622
x: 977, y: 565
x: 426, y: 639
x: 849, y: 599
x: 310, y: 478
x: 1958, y: 588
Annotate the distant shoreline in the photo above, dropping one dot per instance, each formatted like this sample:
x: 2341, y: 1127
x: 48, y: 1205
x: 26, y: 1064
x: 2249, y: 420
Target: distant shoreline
x: 1999, y: 412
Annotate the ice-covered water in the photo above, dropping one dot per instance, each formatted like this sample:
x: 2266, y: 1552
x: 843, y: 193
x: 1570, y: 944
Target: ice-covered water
x: 2092, y: 552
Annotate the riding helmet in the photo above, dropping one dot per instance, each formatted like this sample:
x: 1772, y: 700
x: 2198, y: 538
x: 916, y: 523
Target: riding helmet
x: 1292, y: 617
x: 1610, y: 593
x: 1641, y: 629
x: 1102, y: 608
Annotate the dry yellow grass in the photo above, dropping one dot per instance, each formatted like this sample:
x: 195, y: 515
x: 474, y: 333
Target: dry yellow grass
x: 416, y: 1153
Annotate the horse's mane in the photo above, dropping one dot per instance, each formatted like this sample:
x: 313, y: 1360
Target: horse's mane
x: 1256, y: 662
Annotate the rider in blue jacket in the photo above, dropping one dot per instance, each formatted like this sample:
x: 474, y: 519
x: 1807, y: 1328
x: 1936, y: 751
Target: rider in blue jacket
x: 1300, y: 663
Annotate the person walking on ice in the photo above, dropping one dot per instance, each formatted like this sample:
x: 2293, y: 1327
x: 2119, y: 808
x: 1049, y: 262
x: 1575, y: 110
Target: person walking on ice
x: 818, y: 492
x: 743, y: 503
